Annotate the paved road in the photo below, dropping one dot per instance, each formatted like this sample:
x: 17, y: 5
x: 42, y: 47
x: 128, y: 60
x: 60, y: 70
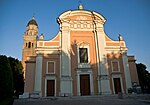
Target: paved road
x: 107, y: 100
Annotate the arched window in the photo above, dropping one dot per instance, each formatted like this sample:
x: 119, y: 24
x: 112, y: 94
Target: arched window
x: 32, y: 45
x: 29, y: 45
x: 26, y: 44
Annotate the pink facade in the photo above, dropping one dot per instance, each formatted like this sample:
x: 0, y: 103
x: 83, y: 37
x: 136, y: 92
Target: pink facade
x: 80, y: 60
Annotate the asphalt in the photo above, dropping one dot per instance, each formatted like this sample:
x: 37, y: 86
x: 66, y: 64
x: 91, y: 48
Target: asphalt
x: 142, y: 99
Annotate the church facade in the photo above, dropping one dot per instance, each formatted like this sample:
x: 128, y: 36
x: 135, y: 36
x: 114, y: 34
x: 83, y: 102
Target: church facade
x: 80, y: 60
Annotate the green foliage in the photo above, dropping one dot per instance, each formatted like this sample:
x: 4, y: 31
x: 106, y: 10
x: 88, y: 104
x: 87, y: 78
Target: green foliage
x: 11, y: 79
x: 7, y: 101
x: 144, y: 77
x: 17, y: 68
x: 16, y: 65
x: 6, y: 78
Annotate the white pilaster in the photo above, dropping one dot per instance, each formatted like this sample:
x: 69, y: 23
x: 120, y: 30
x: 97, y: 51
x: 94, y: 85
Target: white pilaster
x: 103, y: 80
x: 38, y: 75
x: 126, y: 71
x: 66, y: 79
x: 78, y: 84
x: 91, y: 84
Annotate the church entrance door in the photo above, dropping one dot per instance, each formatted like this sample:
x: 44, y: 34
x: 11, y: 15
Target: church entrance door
x: 117, y: 85
x: 85, y: 84
x: 50, y: 87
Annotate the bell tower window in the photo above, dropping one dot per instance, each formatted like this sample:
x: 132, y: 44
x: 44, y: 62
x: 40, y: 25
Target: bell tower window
x: 32, y: 45
x: 29, y: 45
x: 26, y: 44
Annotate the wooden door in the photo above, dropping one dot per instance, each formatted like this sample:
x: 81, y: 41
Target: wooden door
x: 50, y: 87
x: 117, y: 85
x: 84, y: 85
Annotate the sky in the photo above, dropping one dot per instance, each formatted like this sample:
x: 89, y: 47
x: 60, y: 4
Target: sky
x: 130, y: 18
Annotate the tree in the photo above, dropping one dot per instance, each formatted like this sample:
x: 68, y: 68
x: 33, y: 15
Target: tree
x: 11, y: 79
x: 6, y: 81
x: 18, y: 80
x: 144, y: 77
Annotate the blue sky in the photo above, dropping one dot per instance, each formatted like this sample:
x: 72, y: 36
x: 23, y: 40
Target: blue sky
x: 130, y: 18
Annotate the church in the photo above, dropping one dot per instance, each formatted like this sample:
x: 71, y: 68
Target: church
x: 81, y: 60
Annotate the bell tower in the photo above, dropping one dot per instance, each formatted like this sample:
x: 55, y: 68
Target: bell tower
x: 30, y: 40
